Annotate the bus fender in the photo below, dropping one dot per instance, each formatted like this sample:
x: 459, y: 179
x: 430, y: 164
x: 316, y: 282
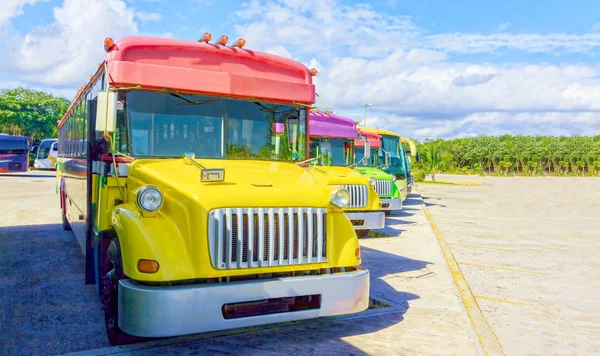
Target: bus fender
x: 152, y: 238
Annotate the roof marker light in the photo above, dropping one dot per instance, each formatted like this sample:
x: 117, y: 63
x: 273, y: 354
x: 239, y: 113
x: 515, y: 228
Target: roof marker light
x: 206, y: 37
x: 326, y: 112
x: 223, y: 40
x: 314, y: 72
x: 239, y: 43
x: 108, y: 44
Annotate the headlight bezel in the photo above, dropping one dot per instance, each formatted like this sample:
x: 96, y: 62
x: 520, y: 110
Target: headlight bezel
x: 372, y: 182
x: 334, y: 197
x: 142, y: 192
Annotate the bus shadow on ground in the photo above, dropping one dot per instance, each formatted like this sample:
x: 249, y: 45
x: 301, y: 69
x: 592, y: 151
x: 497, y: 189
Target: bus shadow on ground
x: 47, y: 308
x: 325, y: 336
x: 428, y: 202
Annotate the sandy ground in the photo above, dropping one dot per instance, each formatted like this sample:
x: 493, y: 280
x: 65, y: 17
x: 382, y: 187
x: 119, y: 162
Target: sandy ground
x: 47, y: 309
x: 529, y: 249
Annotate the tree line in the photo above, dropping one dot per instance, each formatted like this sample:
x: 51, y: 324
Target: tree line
x: 30, y: 113
x: 513, y: 155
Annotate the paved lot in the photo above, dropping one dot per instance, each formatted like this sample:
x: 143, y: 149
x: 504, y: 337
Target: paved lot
x: 47, y: 309
x: 529, y: 249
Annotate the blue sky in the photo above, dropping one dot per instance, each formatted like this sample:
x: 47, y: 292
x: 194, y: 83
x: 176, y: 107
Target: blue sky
x: 430, y: 68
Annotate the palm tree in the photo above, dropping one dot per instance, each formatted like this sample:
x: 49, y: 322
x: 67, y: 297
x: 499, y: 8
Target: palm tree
x: 433, y: 160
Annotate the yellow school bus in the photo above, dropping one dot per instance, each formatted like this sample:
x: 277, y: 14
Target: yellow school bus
x: 180, y: 174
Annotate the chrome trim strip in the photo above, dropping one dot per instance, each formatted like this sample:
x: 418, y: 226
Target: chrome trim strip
x: 233, y: 242
x: 383, y: 187
x: 358, y: 195
x: 372, y: 220
x: 179, y: 310
x: 394, y: 204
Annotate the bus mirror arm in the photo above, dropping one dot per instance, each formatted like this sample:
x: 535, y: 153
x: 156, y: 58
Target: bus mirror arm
x: 206, y: 175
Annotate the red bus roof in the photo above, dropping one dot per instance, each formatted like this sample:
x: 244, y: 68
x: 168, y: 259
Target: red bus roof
x: 200, y: 67
x: 373, y: 138
x: 204, y: 68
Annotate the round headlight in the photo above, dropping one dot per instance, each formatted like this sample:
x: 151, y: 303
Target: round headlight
x: 149, y: 198
x: 340, y: 197
x: 372, y: 181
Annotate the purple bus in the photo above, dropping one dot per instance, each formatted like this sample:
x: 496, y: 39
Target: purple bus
x: 14, y: 153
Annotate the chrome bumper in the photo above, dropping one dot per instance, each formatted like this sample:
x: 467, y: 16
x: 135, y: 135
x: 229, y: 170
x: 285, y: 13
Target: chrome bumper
x: 392, y: 204
x: 369, y: 220
x: 180, y: 310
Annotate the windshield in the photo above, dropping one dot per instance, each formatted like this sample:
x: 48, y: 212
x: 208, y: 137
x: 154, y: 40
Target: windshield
x: 332, y: 152
x: 372, y: 161
x: 392, y: 145
x: 159, y: 124
x: 12, y: 145
x: 44, y: 149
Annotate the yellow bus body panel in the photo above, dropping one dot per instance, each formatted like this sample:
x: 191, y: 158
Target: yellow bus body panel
x: 343, y: 175
x: 177, y: 236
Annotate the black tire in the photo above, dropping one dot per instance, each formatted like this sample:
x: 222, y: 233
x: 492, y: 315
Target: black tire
x: 362, y: 233
x: 112, y: 273
x: 387, y: 212
x: 65, y: 223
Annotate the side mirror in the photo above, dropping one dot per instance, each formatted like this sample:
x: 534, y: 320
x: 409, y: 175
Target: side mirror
x: 106, y: 111
x: 387, y: 159
x: 367, y: 149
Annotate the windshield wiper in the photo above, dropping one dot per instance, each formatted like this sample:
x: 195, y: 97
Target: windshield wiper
x: 264, y: 107
x: 191, y: 102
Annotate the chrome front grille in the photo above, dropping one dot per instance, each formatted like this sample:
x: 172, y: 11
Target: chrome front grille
x: 358, y: 195
x: 383, y: 187
x: 266, y: 237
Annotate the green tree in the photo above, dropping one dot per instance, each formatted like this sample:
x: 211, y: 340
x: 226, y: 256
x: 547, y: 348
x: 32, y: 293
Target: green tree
x: 30, y: 113
x: 434, y: 160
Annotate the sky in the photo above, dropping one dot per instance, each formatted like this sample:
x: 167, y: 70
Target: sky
x: 428, y: 68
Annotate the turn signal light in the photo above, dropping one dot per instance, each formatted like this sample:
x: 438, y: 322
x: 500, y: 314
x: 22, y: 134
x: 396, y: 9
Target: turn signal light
x: 223, y: 40
x: 357, y: 253
x: 205, y: 37
x: 108, y: 44
x: 314, y: 72
x: 148, y: 266
x: 239, y: 43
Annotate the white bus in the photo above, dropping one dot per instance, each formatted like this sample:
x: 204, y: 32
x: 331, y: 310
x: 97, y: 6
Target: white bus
x: 46, y: 154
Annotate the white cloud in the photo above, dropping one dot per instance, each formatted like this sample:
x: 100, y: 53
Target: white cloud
x: 67, y: 51
x: 12, y: 8
x: 323, y: 27
x: 280, y: 51
x: 412, y: 85
x: 411, y: 78
x: 596, y: 27
x: 531, y: 43
x: 148, y: 16
x: 504, y: 26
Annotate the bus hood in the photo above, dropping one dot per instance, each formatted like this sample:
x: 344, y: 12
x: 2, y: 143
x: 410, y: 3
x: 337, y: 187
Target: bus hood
x: 246, y: 183
x: 339, y: 175
x: 373, y: 172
